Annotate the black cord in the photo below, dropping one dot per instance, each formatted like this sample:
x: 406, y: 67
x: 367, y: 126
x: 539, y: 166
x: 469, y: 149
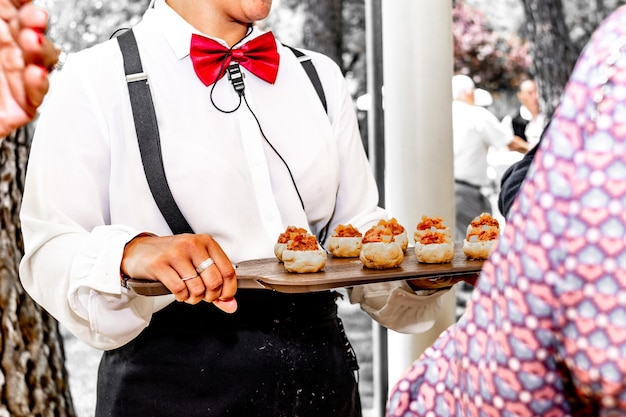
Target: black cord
x: 274, y: 149
x: 228, y: 54
x: 235, y: 77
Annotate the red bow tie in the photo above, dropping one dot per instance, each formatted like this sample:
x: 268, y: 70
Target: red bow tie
x: 210, y: 58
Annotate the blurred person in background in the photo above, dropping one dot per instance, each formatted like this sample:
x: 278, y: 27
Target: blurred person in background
x: 528, y: 121
x: 475, y: 129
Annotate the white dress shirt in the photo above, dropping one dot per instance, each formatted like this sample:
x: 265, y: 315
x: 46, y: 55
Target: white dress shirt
x: 535, y: 125
x: 475, y: 130
x: 86, y: 193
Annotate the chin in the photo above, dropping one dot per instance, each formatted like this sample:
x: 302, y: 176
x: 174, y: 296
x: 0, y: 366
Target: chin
x: 256, y: 10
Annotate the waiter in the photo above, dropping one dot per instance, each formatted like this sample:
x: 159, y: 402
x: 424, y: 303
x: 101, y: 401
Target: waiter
x: 244, y: 147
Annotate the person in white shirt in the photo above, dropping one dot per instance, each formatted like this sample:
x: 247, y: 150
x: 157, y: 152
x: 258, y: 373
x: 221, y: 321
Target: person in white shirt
x: 243, y: 159
x: 475, y: 129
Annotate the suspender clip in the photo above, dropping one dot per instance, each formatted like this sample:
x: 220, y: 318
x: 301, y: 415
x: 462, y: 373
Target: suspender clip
x: 140, y: 76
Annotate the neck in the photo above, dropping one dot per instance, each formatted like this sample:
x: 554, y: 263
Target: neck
x: 210, y: 21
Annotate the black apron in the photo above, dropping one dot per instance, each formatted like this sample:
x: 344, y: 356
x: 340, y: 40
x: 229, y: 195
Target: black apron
x: 278, y: 355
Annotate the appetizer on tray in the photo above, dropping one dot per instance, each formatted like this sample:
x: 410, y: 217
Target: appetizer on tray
x: 482, y: 236
x: 345, y: 242
x: 433, y: 241
x: 380, y: 250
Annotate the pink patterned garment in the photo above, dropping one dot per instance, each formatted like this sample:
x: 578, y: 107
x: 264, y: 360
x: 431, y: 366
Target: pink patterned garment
x: 545, y: 331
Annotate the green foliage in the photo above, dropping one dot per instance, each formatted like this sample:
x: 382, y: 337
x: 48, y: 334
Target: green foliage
x: 493, y: 60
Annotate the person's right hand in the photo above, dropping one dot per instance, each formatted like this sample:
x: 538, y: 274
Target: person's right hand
x: 26, y: 57
x: 173, y: 260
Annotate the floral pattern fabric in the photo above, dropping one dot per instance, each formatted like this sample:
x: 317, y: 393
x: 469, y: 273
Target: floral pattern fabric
x: 545, y: 331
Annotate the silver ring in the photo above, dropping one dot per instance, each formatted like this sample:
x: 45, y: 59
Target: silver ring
x: 204, y: 265
x: 188, y: 278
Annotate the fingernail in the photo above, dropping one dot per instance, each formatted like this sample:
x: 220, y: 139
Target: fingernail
x: 40, y: 38
x: 43, y: 16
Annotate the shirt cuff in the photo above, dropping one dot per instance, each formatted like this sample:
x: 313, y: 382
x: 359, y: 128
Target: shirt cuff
x: 396, y: 306
x: 115, y: 314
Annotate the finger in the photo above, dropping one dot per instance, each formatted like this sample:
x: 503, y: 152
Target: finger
x: 37, y: 49
x: 9, y: 8
x: 34, y: 17
x: 228, y: 305
x: 213, y: 282
x: 229, y: 280
x: 196, y: 288
x: 226, y: 270
x: 36, y: 85
x: 175, y: 284
x: 471, y: 279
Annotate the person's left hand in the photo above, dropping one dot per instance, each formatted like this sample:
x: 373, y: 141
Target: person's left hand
x: 437, y: 283
x: 26, y: 57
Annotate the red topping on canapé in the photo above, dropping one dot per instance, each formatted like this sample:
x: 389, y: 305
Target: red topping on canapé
x: 428, y: 223
x: 289, y: 234
x: 430, y: 238
x: 303, y: 242
x: 485, y: 219
x: 346, y: 231
x: 378, y: 234
x: 483, y: 235
x: 396, y: 227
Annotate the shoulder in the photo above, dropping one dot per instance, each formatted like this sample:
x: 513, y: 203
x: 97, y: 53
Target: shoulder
x: 93, y: 62
x: 333, y: 83
x: 324, y: 65
x: 484, y: 114
x: 101, y: 51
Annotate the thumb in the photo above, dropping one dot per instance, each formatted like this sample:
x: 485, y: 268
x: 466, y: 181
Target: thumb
x: 228, y: 305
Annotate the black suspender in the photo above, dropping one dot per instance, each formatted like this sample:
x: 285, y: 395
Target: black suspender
x: 308, y: 66
x: 148, y: 134
x: 148, y: 131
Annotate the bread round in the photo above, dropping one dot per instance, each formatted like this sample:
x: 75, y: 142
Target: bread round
x: 381, y: 255
x: 434, y: 253
x: 481, y: 236
x: 402, y: 239
x: 284, y: 238
x: 304, y: 261
x: 344, y: 247
x: 279, y: 248
x: 479, y: 249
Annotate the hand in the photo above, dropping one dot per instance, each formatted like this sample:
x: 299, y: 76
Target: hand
x: 519, y: 145
x: 436, y: 283
x: 173, y: 261
x: 26, y: 56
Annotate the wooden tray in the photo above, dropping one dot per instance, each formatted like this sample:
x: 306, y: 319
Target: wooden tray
x: 339, y: 272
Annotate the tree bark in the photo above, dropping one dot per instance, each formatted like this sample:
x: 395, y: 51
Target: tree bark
x: 33, y: 379
x: 322, y: 27
x: 554, y: 54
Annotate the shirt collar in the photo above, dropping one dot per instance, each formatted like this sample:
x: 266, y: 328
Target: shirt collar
x: 177, y: 31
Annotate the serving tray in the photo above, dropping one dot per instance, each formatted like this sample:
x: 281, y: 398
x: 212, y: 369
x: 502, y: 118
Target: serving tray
x: 339, y: 272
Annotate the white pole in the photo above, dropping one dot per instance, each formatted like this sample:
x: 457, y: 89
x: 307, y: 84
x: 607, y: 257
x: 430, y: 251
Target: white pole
x: 419, y: 178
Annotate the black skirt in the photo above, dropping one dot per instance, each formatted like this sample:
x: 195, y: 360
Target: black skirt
x: 278, y: 355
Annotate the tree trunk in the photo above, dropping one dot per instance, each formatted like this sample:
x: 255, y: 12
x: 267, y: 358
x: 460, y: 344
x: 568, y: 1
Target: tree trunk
x: 322, y: 27
x: 33, y: 379
x: 554, y: 54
